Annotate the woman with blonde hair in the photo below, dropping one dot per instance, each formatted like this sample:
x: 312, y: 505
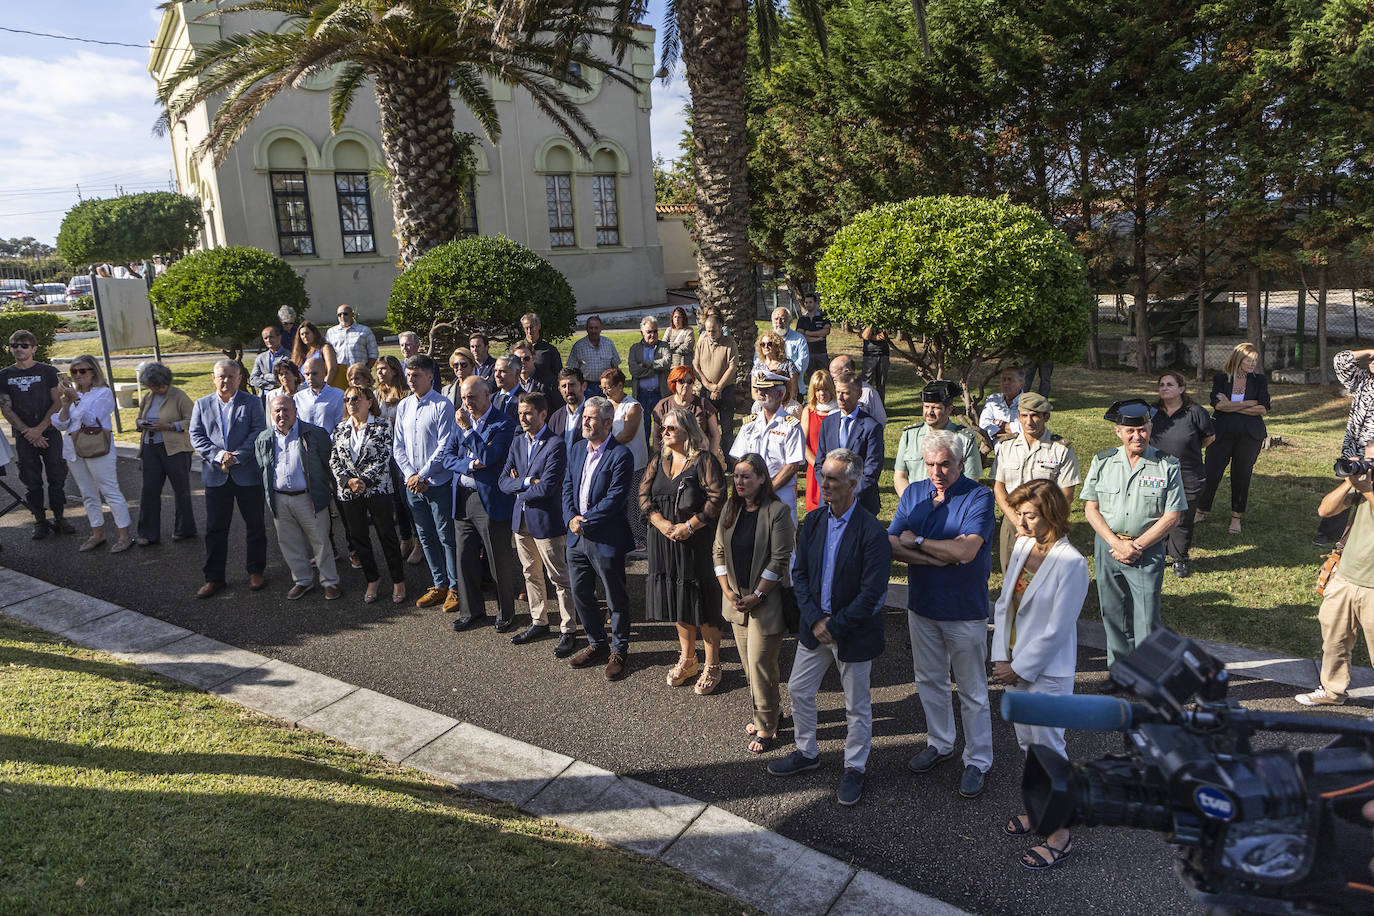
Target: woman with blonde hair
x: 680, y: 338
x: 820, y: 403
x: 681, y: 495
x: 1035, y: 639
x: 770, y: 353
x: 1240, y: 400
x: 88, y: 406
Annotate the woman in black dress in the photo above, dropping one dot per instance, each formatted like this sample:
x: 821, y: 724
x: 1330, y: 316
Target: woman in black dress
x: 681, y: 496
x: 1240, y: 399
x: 1183, y: 429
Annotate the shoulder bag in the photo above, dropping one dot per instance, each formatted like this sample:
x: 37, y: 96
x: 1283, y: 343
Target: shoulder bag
x: 92, y: 442
x: 1333, y: 560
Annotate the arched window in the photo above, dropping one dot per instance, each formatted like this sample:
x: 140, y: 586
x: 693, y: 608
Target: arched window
x: 286, y: 161
x: 604, y: 168
x: 355, y: 200
x: 558, y: 168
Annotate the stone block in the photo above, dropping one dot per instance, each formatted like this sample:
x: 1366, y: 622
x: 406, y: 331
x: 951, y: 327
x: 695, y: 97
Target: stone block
x: 870, y: 895
x: 283, y: 691
x: 197, y: 660
x: 16, y: 587
x: 126, y: 632
x: 378, y: 723
x: 60, y: 610
x: 489, y: 764
x: 758, y: 866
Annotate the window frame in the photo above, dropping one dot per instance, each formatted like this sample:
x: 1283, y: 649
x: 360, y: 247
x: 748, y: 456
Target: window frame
x: 466, y: 229
x: 599, y: 207
x: 281, y: 195
x: 558, y: 231
x: 366, y: 196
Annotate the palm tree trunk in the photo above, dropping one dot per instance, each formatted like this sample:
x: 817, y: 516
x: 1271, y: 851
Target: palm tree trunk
x: 715, y: 52
x: 417, y: 141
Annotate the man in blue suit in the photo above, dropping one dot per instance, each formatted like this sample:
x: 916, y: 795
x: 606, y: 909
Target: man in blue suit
x: 840, y: 575
x: 506, y: 377
x: 481, y: 511
x: 534, y: 475
x: 598, y: 482
x: 224, y: 427
x: 854, y: 428
x: 566, y: 419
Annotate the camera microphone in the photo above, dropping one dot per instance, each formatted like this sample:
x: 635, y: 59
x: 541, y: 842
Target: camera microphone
x: 1090, y: 713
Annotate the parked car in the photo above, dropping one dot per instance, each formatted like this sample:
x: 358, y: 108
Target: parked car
x: 19, y: 290
x: 54, y: 293
x: 79, y: 286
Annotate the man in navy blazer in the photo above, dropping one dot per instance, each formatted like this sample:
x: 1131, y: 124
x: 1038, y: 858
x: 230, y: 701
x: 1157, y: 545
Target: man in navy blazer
x: 224, y: 428
x: 506, y: 377
x: 566, y: 419
x: 854, y: 428
x: 534, y: 475
x: 599, y: 480
x: 840, y: 575
x: 481, y: 511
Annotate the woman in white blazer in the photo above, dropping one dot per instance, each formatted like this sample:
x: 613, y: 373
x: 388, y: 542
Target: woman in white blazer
x: 1035, y: 643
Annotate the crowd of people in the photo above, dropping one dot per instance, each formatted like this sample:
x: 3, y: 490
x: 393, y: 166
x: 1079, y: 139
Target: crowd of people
x: 542, y: 478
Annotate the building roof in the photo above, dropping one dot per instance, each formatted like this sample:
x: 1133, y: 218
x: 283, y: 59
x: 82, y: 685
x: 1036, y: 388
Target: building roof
x: 674, y: 209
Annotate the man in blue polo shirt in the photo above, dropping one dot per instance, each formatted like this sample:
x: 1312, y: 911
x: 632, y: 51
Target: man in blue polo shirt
x: 943, y: 530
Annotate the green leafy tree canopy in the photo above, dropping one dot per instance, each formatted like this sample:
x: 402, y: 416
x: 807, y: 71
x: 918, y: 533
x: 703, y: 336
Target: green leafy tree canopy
x: 129, y: 228
x: 480, y: 284
x: 227, y: 295
x: 978, y: 280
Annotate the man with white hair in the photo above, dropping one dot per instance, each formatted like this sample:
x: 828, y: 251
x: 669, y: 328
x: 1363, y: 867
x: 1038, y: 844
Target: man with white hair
x: 505, y: 376
x: 868, y: 399
x: 650, y: 362
x: 410, y: 344
x: 840, y: 575
x: 794, y: 342
x: 942, y: 530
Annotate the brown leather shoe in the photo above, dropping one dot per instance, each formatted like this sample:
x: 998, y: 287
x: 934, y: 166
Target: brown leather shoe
x: 432, y: 598
x: 451, y: 602
x: 616, y: 666
x: 299, y: 591
x: 208, y: 589
x: 589, y: 656
x: 332, y: 592
x: 256, y: 582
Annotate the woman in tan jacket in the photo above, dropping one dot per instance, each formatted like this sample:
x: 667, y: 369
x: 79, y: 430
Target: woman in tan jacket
x: 753, y: 549
x: 164, y: 423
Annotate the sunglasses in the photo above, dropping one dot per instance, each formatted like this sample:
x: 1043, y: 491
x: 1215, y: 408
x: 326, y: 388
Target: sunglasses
x: 460, y: 365
x: 345, y: 314
x: 526, y: 359
x: 354, y: 399
x: 21, y: 346
x: 669, y: 429
x: 83, y: 371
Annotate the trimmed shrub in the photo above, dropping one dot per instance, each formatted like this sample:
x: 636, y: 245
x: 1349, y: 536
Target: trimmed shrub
x: 42, y: 325
x: 480, y: 284
x: 226, y: 295
x: 129, y: 228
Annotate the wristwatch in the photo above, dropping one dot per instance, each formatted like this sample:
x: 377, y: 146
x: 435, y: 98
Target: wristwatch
x: 920, y: 539
x: 758, y: 594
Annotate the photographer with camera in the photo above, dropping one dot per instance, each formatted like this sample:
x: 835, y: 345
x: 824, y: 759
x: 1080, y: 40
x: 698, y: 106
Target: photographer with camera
x: 1348, y: 600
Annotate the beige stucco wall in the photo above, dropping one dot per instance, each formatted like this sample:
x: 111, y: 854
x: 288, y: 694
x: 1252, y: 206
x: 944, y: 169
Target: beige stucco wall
x: 679, y: 250
x: 510, y: 183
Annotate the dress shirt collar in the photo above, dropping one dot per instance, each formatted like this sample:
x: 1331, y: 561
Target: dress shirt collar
x: 842, y: 520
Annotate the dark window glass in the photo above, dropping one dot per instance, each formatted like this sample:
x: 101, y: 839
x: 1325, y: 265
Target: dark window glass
x: 607, y: 213
x: 558, y: 197
x: 291, y: 206
x: 355, y: 212
x: 467, y: 216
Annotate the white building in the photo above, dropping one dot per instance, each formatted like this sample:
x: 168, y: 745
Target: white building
x: 291, y: 187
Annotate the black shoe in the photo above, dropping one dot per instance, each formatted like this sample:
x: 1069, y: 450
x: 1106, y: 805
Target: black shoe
x: 505, y: 626
x: 536, y: 631
x: 61, y: 526
x: 1181, y: 569
x: 567, y: 645
x: 40, y: 530
x: 1320, y: 540
x: 465, y: 623
x: 184, y: 537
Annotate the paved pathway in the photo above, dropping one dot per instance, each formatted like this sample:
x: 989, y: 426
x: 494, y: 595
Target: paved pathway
x: 914, y: 831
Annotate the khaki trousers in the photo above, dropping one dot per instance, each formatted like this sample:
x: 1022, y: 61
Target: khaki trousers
x: 1006, y: 540
x: 1346, y: 609
x: 538, y: 555
x: 303, y: 535
x: 758, y: 652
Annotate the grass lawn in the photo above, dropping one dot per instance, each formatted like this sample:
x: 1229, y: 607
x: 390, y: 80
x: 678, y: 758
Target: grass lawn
x: 171, y: 342
x: 122, y: 791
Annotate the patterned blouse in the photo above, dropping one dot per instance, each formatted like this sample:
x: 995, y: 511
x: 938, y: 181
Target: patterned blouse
x: 371, y: 463
x: 1359, y: 428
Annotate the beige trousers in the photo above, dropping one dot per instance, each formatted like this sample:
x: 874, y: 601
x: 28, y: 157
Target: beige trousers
x: 1345, y: 610
x: 303, y: 535
x: 759, y: 654
x: 538, y: 555
x: 1006, y: 540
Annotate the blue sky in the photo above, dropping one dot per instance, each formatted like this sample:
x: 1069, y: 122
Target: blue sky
x: 78, y: 114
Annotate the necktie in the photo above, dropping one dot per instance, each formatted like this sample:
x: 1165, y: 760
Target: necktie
x: 844, y: 430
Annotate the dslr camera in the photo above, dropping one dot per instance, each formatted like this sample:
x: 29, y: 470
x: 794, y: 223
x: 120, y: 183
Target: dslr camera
x: 1258, y: 831
x: 1352, y: 467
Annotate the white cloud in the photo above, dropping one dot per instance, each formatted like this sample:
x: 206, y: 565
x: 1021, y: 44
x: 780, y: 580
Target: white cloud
x: 668, y: 118
x: 83, y: 119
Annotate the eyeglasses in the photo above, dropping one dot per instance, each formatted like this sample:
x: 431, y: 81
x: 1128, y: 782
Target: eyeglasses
x: 83, y: 371
x: 460, y: 365
x: 345, y: 314
x: 354, y: 399
x: 767, y: 343
x: 669, y: 429
x: 21, y: 346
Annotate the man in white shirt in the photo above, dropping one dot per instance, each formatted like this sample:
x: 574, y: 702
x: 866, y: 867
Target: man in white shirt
x: 410, y: 344
x: 317, y: 402
x: 352, y: 342
x: 593, y: 355
x: 794, y: 342
x: 998, y: 417
x: 425, y: 423
x: 869, y: 399
x: 776, y: 436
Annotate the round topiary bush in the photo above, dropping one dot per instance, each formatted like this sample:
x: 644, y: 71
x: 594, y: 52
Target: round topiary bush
x: 482, y: 285
x: 226, y: 295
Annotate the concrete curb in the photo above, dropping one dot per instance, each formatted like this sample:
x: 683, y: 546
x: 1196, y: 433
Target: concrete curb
x: 733, y: 855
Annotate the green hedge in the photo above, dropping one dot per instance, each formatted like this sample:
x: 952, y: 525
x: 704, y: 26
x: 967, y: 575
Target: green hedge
x: 226, y: 295
x: 42, y: 325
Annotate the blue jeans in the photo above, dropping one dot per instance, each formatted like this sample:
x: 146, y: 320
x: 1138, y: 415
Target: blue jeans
x: 586, y: 564
x: 432, y: 512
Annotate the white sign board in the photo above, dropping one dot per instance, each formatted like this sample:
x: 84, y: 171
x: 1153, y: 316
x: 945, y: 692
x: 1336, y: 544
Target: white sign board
x: 125, y: 313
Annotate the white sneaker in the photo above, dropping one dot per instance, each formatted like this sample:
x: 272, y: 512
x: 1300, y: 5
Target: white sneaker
x: 1319, y: 697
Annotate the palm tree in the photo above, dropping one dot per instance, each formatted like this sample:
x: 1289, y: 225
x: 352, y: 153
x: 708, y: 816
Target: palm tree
x: 418, y: 55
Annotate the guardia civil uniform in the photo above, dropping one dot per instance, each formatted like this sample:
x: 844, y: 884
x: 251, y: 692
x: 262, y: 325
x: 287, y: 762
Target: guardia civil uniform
x: 780, y: 440
x: 1131, y: 500
x: 1050, y: 457
x: 909, y: 457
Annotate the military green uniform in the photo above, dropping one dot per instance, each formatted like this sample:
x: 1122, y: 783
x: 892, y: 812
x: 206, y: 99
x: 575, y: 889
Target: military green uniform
x: 1131, y: 500
x: 910, y: 459
x: 1050, y: 457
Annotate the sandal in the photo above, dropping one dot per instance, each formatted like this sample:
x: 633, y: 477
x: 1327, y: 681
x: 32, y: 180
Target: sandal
x: 398, y: 599
x: 1235, y: 525
x: 1017, y: 826
x: 709, y: 680
x: 370, y: 595
x: 1056, y: 855
x: 685, y: 669
x: 760, y: 744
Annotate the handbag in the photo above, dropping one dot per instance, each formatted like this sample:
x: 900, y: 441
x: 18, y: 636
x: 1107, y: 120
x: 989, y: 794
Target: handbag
x: 92, y: 442
x: 1333, y: 559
